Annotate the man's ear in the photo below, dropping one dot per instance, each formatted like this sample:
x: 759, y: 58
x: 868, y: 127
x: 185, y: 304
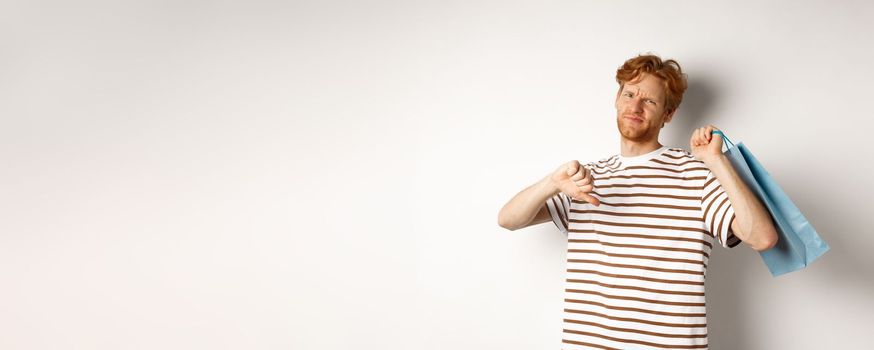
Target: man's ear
x: 668, y: 116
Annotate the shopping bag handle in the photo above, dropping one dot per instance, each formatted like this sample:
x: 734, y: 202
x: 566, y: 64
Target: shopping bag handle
x: 720, y: 133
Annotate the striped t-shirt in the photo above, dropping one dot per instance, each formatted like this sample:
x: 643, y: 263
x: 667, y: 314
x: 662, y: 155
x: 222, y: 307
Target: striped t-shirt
x: 636, y: 264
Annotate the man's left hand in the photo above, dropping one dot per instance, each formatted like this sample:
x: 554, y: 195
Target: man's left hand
x: 705, y: 146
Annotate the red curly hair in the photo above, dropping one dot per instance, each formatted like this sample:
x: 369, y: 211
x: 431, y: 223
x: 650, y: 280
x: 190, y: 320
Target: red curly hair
x: 673, y: 78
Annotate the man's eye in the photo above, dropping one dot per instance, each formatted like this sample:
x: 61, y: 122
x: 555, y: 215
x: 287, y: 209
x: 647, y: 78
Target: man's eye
x: 650, y: 102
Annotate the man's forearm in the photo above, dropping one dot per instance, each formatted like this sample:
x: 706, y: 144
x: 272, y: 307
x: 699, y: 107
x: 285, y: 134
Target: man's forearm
x: 522, y: 208
x: 753, y: 222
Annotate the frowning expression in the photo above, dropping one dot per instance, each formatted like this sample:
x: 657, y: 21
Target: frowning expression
x: 640, y: 108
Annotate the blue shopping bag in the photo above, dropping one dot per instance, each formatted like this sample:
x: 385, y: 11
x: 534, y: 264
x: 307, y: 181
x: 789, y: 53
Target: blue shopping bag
x: 798, y: 244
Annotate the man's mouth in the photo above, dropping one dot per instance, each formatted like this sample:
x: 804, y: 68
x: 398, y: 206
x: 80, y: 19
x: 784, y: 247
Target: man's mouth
x: 633, y: 118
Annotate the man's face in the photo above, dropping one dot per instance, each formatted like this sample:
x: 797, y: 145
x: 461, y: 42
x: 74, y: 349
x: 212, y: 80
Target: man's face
x: 640, y: 108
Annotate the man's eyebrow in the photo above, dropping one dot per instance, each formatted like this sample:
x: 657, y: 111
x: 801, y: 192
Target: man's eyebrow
x: 648, y: 95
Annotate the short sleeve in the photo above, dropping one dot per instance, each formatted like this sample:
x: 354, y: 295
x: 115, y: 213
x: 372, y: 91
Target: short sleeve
x: 559, y: 209
x: 718, y: 212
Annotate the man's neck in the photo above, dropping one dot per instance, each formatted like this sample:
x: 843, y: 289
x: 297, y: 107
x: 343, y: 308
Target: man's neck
x: 632, y: 148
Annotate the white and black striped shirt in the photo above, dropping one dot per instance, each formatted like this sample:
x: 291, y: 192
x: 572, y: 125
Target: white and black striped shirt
x: 636, y: 264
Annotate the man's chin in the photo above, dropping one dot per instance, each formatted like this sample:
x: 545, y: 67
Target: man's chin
x: 633, y: 135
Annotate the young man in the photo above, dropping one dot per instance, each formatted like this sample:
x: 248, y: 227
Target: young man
x: 641, y: 224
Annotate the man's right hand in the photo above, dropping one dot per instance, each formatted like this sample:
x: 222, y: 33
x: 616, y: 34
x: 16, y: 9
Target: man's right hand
x: 575, y: 181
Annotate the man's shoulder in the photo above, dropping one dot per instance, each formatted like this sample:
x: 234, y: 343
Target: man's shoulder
x: 605, y: 161
x: 681, y: 155
x: 682, y: 160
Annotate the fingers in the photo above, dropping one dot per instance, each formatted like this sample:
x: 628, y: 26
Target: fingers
x: 577, y: 177
x: 585, y: 185
x: 582, y: 177
x: 572, y: 167
x: 702, y: 136
x: 589, y: 179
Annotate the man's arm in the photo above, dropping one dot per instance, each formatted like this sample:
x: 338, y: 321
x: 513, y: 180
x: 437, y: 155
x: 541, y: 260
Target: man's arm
x: 752, y: 222
x: 528, y: 207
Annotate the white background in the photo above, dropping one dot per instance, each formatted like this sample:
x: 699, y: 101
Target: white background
x: 328, y: 174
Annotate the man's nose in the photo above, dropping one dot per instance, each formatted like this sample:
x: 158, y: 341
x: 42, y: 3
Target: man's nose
x: 637, y: 105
